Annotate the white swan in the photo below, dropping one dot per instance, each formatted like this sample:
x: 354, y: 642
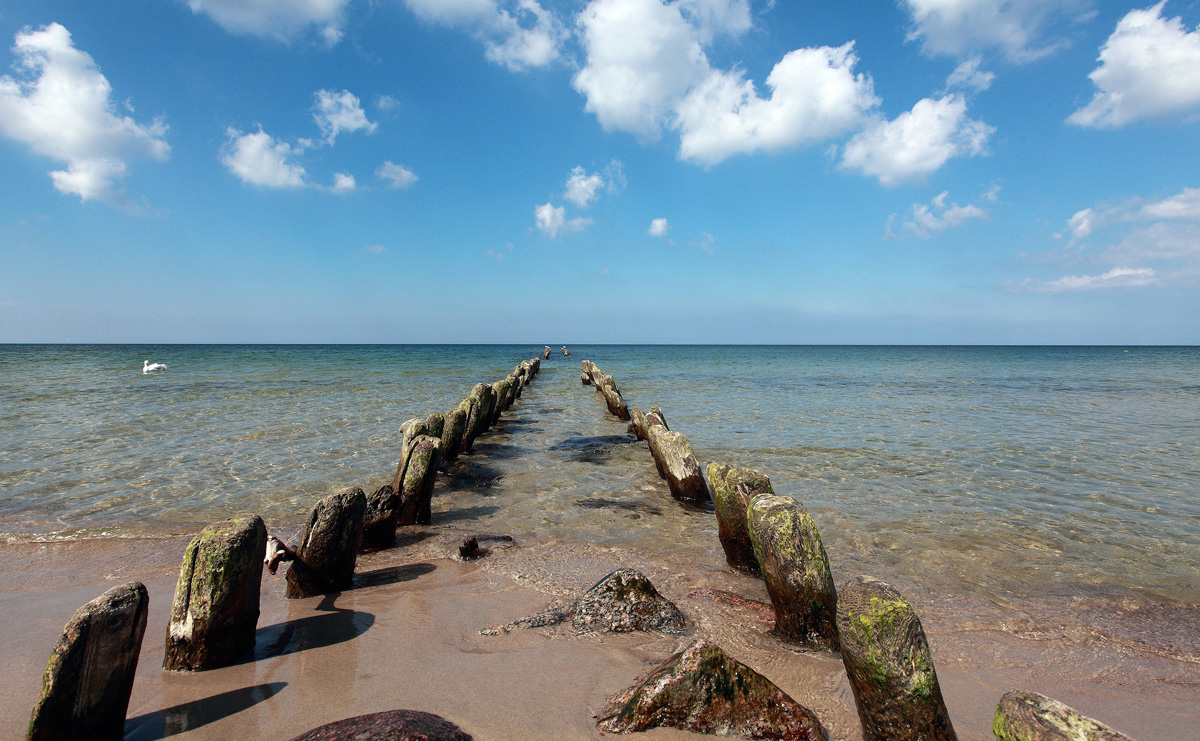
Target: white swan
x: 147, y: 366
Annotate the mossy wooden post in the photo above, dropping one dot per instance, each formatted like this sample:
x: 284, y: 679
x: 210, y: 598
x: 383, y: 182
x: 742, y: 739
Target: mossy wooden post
x: 677, y: 464
x: 434, y: 424
x: 88, y: 680
x: 732, y: 490
x: 380, y: 519
x: 417, y: 491
x: 329, y: 547
x: 470, y: 410
x: 215, y: 611
x: 499, y: 396
x: 410, y: 430
x: 484, y: 399
x: 791, y: 557
x: 452, y: 434
x: 1029, y: 716
x: 702, y: 690
x: 889, y: 665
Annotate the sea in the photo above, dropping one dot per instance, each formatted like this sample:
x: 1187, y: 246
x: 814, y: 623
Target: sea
x: 1006, y: 474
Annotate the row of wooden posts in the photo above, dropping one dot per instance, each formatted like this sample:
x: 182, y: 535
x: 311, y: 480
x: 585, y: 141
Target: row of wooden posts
x: 877, y: 631
x: 89, y: 677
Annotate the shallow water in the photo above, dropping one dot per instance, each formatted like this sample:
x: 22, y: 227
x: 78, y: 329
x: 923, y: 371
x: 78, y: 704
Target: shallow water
x: 1004, y: 473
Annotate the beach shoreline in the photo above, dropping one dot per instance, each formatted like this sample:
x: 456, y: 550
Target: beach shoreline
x: 407, y: 636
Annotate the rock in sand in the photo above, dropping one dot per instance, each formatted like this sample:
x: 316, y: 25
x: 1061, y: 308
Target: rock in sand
x: 1028, y: 716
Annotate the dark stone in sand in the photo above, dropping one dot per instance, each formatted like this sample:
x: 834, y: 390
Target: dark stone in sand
x: 677, y: 464
x: 215, y: 611
x: 732, y: 490
x: 470, y: 550
x: 416, y: 492
x: 452, y: 434
x: 393, y: 725
x: 702, y: 690
x: 626, y: 601
x: 889, y: 665
x: 622, y: 602
x: 88, y: 680
x: 1028, y: 716
x: 329, y: 547
x: 795, y: 569
x: 379, y: 521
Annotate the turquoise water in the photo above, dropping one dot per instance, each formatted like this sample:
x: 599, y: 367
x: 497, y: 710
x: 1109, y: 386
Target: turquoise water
x: 1007, y: 470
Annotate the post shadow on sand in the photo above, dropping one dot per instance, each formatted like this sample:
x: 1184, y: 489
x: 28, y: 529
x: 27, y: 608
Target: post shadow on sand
x: 330, y: 626
x: 188, y: 716
x: 468, y: 513
x: 471, y: 476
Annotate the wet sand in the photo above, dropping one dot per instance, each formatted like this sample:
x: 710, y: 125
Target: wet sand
x: 407, y: 636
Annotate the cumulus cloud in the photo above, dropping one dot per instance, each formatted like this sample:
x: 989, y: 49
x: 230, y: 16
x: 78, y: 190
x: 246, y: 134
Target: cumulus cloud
x: 338, y: 112
x: 917, y: 142
x: 940, y: 214
x: 815, y: 95
x: 282, y: 20
x: 647, y: 71
x: 1115, y: 278
x: 1149, y: 68
x: 61, y: 107
x: 398, y: 176
x: 1182, y: 207
x: 583, y: 188
x: 343, y: 182
x: 552, y: 220
x: 658, y: 228
x: 515, y: 33
x: 259, y: 159
x: 1015, y: 29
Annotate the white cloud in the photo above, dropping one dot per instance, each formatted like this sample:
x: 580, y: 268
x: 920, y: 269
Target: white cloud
x: 1149, y: 68
x: 815, y: 95
x: 1186, y: 205
x: 61, y: 107
x: 968, y: 77
x: 1014, y: 28
x: 398, y: 176
x: 646, y: 70
x: 658, y: 228
x: 940, y: 214
x: 343, y: 182
x: 552, y: 220
x: 917, y: 142
x: 376, y: 248
x: 642, y: 57
x: 338, y: 112
x: 583, y: 188
x: 282, y: 20
x: 387, y: 103
x: 706, y: 242
x: 516, y: 33
x: 1115, y: 278
x: 258, y: 159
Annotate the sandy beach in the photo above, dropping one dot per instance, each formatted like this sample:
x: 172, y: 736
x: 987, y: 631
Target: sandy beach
x: 407, y: 636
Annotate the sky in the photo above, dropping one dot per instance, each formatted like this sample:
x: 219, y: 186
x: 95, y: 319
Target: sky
x: 603, y: 171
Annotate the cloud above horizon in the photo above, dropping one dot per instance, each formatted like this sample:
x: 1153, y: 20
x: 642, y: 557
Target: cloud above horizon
x: 939, y: 215
x: 646, y: 71
x: 518, y: 34
x: 61, y: 107
x: 552, y: 221
x: 282, y: 20
x: 1149, y: 68
x: 1015, y: 29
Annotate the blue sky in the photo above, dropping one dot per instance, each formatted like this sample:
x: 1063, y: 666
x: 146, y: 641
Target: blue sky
x: 694, y: 171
